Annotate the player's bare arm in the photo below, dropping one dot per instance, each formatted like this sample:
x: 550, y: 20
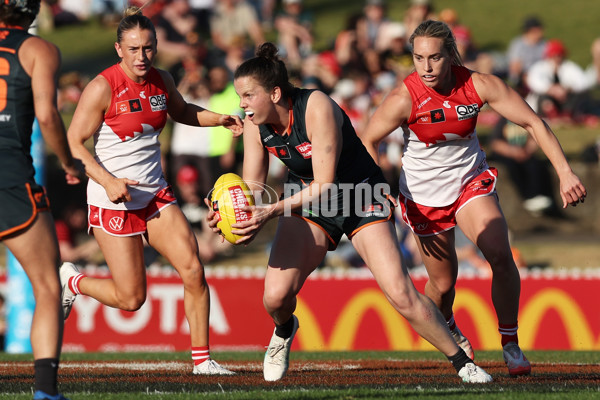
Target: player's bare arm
x: 190, y: 114
x: 41, y: 60
x: 511, y: 105
x: 392, y: 113
x: 88, y: 116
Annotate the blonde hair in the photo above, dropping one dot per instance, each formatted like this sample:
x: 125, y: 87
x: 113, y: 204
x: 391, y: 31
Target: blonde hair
x: 439, y: 30
x: 132, y: 18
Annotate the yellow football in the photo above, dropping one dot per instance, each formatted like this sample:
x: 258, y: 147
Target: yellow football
x: 229, y: 194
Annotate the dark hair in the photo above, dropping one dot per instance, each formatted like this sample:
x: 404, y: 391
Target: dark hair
x: 19, y: 12
x: 132, y: 18
x: 267, y: 68
x: 440, y: 30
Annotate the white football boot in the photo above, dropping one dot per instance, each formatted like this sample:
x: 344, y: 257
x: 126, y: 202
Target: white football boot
x: 211, y: 367
x: 277, y: 357
x: 472, y: 373
x: 67, y: 270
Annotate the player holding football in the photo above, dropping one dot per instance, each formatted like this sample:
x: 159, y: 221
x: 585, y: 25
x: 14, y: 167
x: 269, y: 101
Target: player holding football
x: 316, y: 141
x: 125, y: 109
x: 445, y: 180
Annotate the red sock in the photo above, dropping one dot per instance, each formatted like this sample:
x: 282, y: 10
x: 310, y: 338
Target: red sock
x: 74, y: 283
x: 509, y: 333
x: 200, y: 354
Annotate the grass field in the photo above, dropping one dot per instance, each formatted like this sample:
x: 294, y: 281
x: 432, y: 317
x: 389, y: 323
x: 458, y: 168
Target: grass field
x: 323, y: 375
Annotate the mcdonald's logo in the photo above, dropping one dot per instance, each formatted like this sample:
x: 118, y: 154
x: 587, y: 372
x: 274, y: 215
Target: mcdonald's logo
x: 400, y: 336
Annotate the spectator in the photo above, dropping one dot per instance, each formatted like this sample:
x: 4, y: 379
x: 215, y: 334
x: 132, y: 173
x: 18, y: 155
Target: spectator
x: 202, y: 10
x: 367, y: 28
x: 591, y: 105
x: 74, y: 244
x: 192, y: 205
x: 211, y: 151
x: 231, y: 20
x: 294, y: 32
x: 556, y: 83
x: 417, y: 12
x: 346, y: 50
x: 394, y: 52
x: 176, y: 33
x: 513, y: 147
x: 190, y: 144
x: 525, y: 50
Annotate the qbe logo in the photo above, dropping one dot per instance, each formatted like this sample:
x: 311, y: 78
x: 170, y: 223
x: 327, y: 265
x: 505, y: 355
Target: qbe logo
x: 467, y: 111
x: 158, y: 103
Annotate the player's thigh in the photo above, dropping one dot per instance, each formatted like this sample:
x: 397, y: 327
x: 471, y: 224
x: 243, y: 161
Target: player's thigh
x: 483, y: 223
x: 170, y: 234
x: 124, y: 256
x: 377, y: 245
x: 298, y: 249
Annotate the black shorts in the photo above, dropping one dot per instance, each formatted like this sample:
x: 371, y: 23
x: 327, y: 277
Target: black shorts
x: 349, y: 208
x: 20, y: 206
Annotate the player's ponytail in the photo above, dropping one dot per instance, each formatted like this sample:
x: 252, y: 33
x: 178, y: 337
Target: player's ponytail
x: 267, y: 68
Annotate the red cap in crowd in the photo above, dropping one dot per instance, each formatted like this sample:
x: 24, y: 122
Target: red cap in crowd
x: 555, y: 47
x: 187, y: 174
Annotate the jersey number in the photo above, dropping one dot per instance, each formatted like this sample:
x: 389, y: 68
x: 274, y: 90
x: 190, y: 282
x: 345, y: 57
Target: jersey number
x: 4, y: 71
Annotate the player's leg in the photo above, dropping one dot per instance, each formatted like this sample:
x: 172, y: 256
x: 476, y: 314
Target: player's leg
x: 36, y: 249
x: 126, y: 289
x: 377, y: 245
x: 171, y: 235
x: 298, y: 249
x: 484, y: 224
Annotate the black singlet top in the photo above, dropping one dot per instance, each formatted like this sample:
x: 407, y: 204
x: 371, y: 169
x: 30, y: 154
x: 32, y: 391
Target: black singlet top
x: 295, y: 150
x: 16, y: 112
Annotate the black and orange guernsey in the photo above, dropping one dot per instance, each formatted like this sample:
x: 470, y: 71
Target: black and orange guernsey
x: 295, y: 150
x: 17, y: 112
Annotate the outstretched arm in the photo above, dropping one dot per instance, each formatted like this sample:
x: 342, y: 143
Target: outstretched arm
x: 191, y: 114
x: 510, y: 105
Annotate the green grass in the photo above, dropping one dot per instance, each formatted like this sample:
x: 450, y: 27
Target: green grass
x: 529, y: 389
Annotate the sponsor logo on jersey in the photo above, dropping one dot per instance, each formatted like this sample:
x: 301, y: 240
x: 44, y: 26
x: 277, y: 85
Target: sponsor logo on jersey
x: 305, y: 149
x: 374, y: 210
x: 423, y: 103
x: 281, y: 152
x: 265, y: 140
x: 143, y: 94
x: 467, y: 111
x: 446, y: 104
x: 158, y: 102
x: 5, y: 117
x: 129, y: 106
x: 431, y: 117
x: 122, y: 92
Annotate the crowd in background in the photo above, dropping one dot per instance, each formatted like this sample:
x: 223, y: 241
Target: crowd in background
x: 201, y: 42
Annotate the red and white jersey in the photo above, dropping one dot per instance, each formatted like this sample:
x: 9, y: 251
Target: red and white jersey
x: 441, y: 151
x: 126, y: 144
